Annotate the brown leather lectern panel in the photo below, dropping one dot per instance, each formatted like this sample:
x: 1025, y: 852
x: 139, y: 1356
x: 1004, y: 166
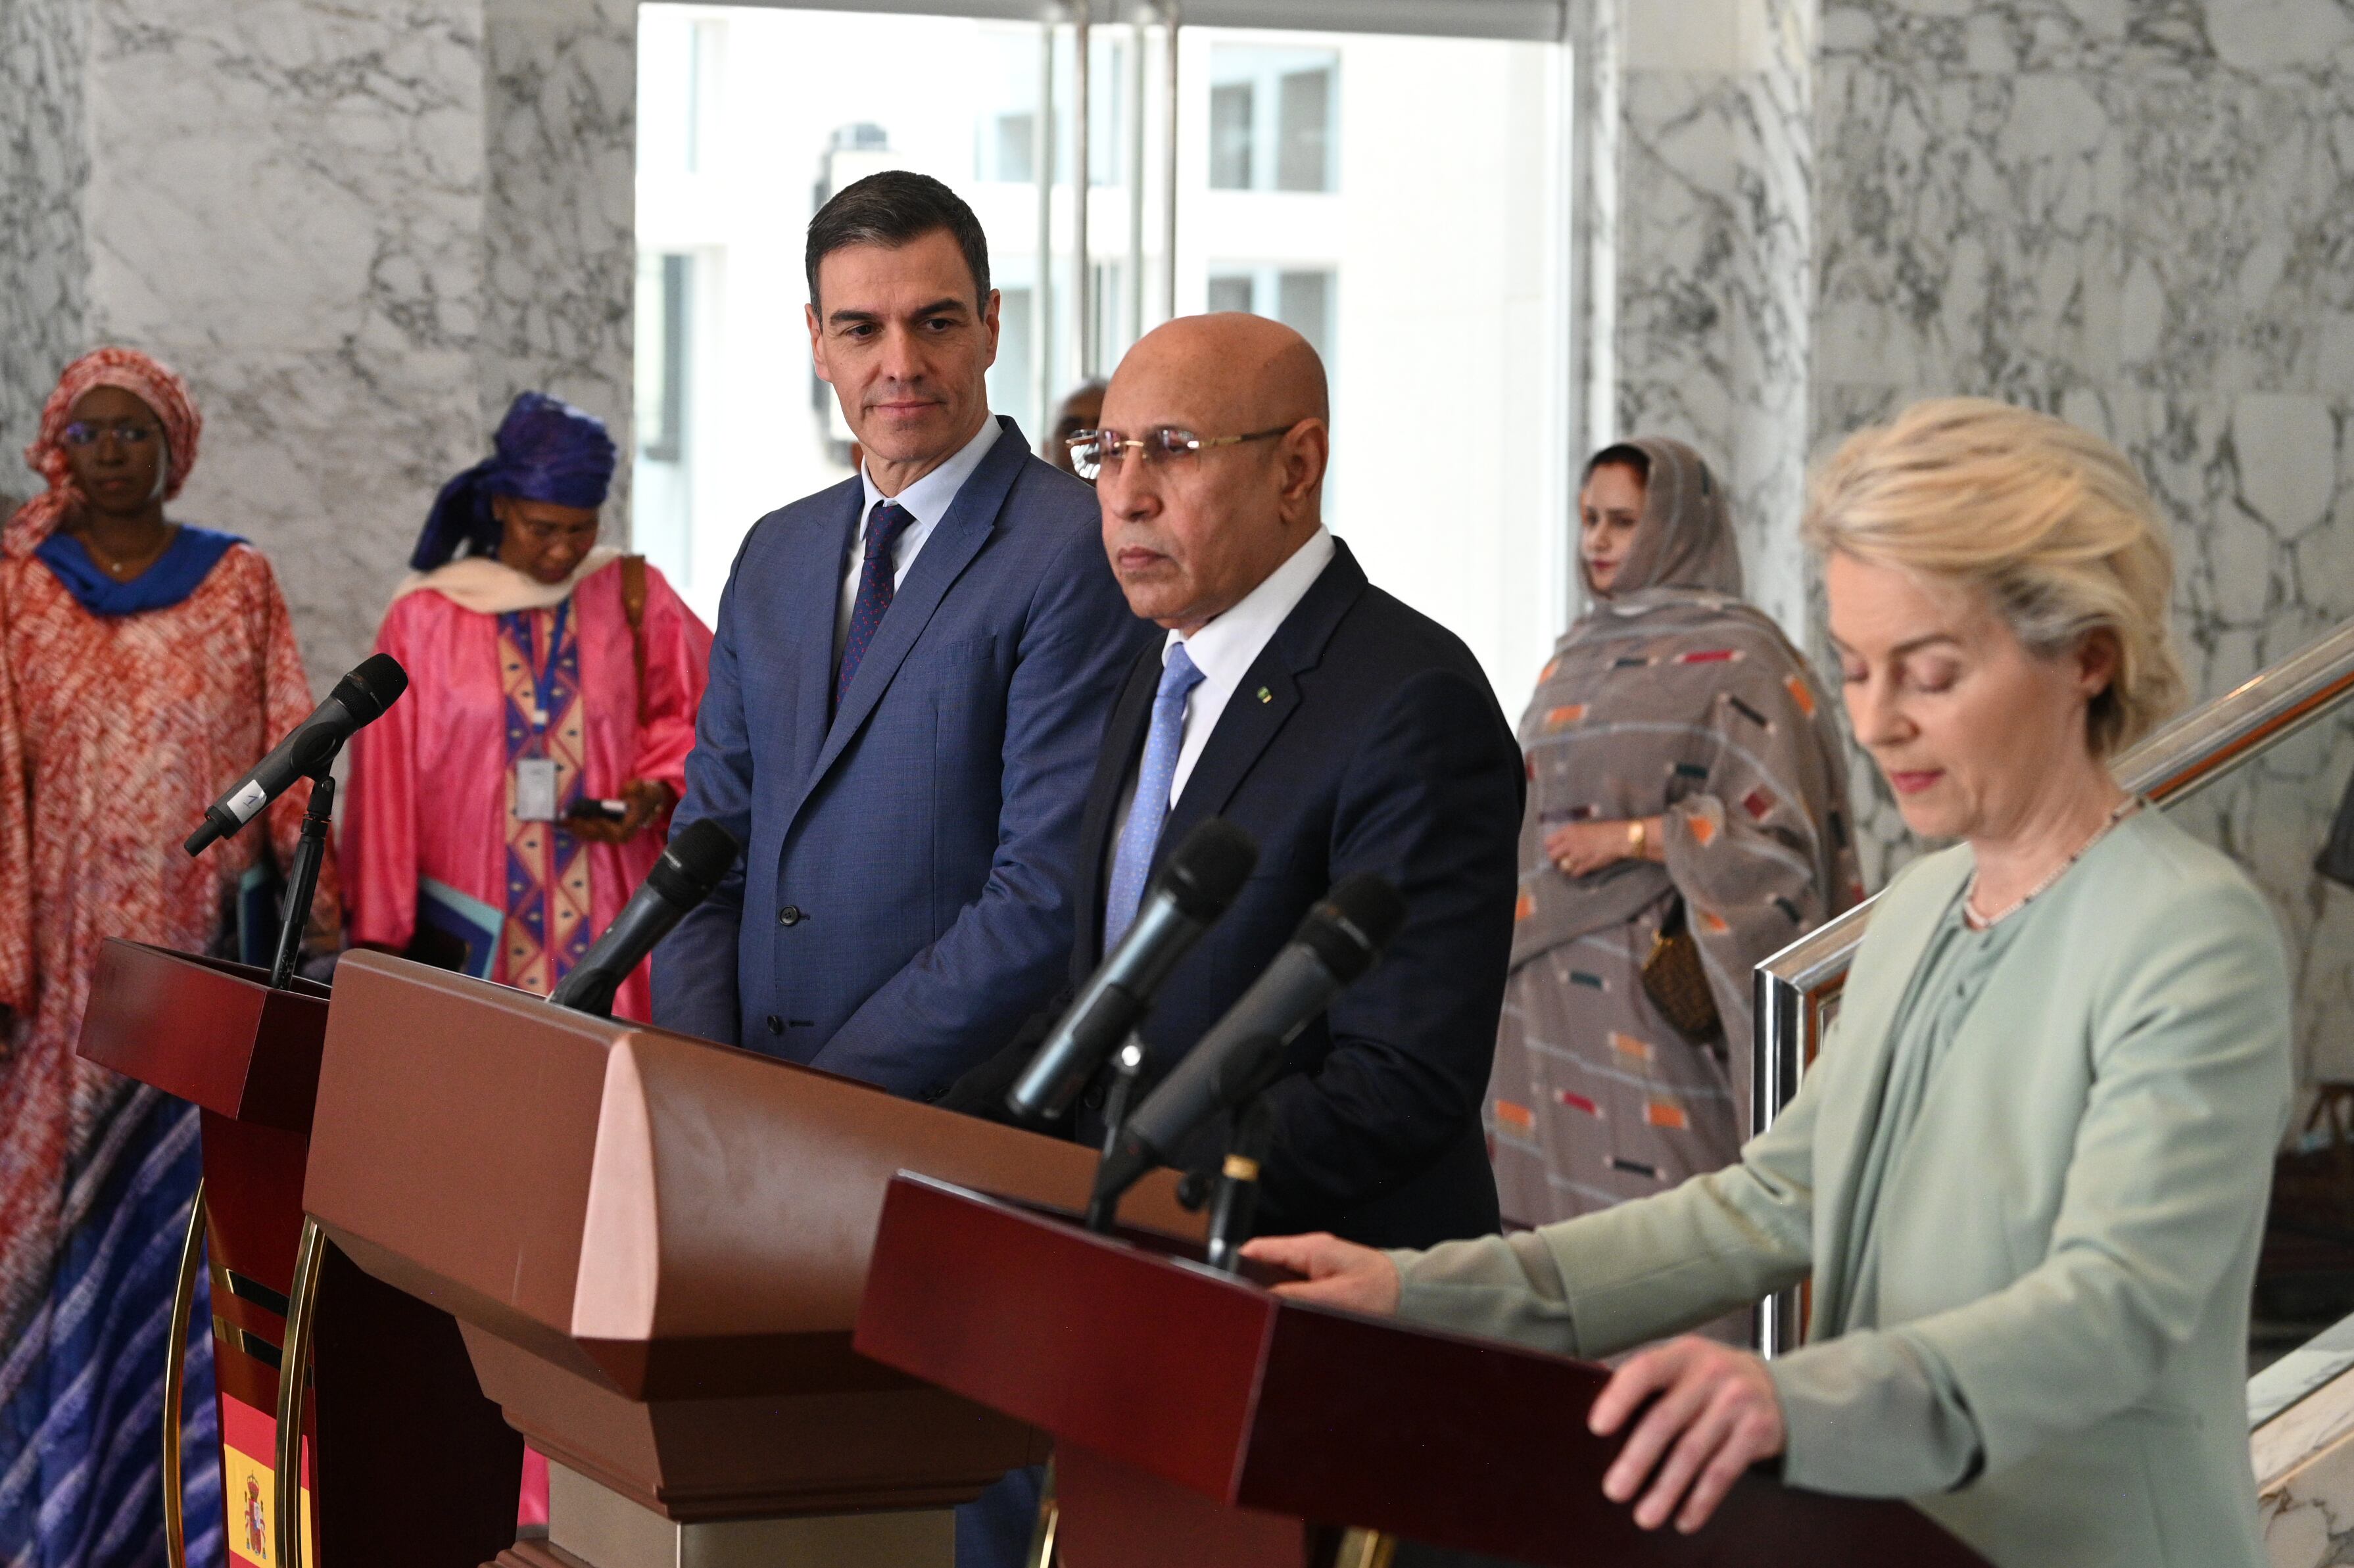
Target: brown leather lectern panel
x: 657, y: 1245
x: 1200, y: 1379
x: 260, y: 1060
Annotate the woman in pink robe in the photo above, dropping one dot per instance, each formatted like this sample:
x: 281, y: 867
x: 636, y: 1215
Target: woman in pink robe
x: 470, y: 821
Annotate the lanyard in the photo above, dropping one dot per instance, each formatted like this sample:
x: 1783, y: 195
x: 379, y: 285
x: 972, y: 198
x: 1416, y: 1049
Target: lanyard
x: 543, y: 682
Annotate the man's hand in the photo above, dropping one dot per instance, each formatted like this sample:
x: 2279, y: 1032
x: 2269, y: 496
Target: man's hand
x: 646, y: 799
x: 1716, y: 1414
x: 1339, y: 1274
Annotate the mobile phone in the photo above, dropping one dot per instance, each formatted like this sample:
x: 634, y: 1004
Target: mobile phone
x: 599, y: 810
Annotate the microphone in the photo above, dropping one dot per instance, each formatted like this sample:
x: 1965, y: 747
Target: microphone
x: 358, y: 700
x: 1190, y: 891
x: 684, y: 877
x: 1338, y: 942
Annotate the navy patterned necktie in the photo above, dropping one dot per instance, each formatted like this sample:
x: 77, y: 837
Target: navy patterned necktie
x: 876, y: 581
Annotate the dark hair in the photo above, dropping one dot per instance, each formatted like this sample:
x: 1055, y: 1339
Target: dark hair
x: 894, y: 208
x: 1622, y: 454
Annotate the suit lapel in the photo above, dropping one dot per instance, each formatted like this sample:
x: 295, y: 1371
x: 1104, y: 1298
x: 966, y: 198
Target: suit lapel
x: 1267, y: 696
x: 972, y: 518
x: 1123, y: 739
x: 811, y: 586
x: 1868, y: 1009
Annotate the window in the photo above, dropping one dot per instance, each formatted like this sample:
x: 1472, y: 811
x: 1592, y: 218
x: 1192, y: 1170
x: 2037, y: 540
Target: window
x: 662, y: 329
x: 1271, y: 118
x: 663, y: 409
x: 1298, y: 297
x: 1326, y: 179
x: 1230, y: 136
x: 1304, y: 130
x: 1007, y: 139
x: 1013, y: 379
x: 1303, y: 301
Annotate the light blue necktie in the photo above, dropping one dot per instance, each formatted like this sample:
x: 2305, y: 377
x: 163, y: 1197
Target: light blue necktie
x: 1131, y: 864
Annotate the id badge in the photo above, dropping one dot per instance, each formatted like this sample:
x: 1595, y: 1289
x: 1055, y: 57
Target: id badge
x: 534, y: 789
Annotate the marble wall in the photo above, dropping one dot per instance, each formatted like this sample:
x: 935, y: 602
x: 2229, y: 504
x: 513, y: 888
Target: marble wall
x: 2134, y: 215
x: 559, y: 241
x: 1712, y: 238
x: 357, y: 229
x: 2140, y: 217
x: 44, y: 251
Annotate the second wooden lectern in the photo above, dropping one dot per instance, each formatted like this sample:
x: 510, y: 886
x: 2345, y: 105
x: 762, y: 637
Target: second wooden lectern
x: 403, y: 1461
x: 1202, y: 1422
x: 655, y: 1247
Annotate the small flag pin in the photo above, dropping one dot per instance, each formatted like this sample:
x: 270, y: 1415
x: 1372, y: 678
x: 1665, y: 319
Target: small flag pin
x: 1264, y: 695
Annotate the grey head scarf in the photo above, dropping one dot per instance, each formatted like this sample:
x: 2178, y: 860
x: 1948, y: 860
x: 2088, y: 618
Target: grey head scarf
x: 1685, y: 538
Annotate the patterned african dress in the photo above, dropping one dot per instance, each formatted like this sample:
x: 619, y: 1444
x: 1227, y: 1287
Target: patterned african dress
x: 500, y: 683
x: 116, y: 731
x: 1691, y: 706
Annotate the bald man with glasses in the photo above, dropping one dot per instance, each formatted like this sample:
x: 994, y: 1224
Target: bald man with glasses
x: 1345, y: 733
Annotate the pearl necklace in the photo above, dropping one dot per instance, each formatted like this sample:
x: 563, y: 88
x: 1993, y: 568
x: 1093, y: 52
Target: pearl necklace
x: 1978, y: 922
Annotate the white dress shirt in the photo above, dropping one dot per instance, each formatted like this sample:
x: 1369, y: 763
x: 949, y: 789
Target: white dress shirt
x: 1224, y: 648
x: 927, y: 500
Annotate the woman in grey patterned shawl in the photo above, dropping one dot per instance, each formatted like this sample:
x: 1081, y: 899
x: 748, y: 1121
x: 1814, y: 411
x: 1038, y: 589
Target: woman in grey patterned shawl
x: 1680, y: 757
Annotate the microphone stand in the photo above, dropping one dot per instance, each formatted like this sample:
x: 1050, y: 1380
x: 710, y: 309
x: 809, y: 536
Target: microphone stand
x: 303, y: 880
x: 1237, y: 1194
x: 1127, y: 1066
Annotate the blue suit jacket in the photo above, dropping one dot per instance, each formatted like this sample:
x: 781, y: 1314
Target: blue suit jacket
x: 905, y: 897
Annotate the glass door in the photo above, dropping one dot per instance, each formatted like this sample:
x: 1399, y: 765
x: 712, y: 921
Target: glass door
x: 1401, y: 199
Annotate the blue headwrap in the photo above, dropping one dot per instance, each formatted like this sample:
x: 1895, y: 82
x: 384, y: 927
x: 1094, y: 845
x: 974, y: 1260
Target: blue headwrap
x: 547, y: 451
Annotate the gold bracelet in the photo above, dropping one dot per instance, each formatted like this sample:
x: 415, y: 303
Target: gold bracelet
x: 1637, y: 836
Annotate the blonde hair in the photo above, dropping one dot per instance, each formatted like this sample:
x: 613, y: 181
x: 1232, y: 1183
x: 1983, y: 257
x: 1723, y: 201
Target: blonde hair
x: 2050, y: 520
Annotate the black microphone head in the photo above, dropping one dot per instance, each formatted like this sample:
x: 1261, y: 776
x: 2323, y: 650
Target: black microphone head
x: 694, y: 862
x: 1205, y: 872
x: 1354, y: 923
x: 373, y: 684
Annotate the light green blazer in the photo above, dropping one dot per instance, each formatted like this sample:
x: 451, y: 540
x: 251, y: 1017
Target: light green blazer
x: 2057, y: 1368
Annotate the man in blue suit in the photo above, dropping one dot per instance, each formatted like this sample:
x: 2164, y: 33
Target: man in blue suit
x: 911, y: 674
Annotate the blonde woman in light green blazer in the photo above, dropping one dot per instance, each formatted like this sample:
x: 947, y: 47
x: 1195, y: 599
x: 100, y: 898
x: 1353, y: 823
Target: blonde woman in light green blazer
x: 2027, y: 1176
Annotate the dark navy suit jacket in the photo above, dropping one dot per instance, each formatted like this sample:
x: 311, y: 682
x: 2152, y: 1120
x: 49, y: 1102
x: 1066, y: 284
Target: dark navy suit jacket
x: 905, y: 894
x: 1364, y: 738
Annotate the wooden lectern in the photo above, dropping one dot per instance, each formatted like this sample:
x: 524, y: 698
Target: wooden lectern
x: 656, y: 1248
x: 1201, y: 1422
x: 406, y: 1464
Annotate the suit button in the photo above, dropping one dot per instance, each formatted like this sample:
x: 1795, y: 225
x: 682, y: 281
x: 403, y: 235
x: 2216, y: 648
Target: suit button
x: 791, y: 914
x: 776, y: 1024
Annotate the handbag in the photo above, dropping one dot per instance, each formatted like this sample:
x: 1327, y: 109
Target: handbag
x: 1674, y: 980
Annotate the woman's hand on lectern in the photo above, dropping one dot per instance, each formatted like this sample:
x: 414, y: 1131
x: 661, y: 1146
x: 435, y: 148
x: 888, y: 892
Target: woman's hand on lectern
x: 1714, y: 1415
x: 1339, y: 1274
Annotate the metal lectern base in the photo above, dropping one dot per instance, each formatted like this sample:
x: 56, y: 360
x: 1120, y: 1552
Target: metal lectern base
x: 590, y: 1524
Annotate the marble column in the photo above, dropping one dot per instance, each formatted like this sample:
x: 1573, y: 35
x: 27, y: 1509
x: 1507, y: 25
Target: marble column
x: 44, y: 247
x: 1712, y: 230
x: 560, y: 211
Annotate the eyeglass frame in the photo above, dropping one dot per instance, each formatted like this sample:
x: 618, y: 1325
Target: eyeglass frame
x: 126, y: 433
x: 1196, y: 445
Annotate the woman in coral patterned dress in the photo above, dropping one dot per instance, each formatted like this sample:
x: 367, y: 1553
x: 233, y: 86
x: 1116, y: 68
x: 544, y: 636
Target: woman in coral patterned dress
x: 143, y: 665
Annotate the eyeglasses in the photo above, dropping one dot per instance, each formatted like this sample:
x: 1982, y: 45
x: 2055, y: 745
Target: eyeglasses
x: 82, y: 433
x: 1092, y: 452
